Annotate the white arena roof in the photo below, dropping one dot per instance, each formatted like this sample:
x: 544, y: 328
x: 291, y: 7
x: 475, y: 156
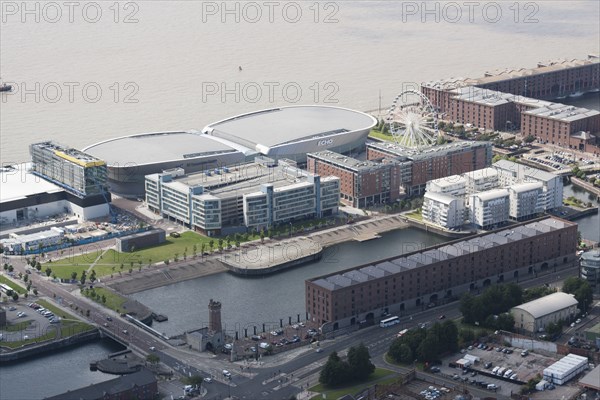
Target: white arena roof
x: 548, y: 304
x: 147, y: 148
x: 18, y: 183
x: 283, y: 125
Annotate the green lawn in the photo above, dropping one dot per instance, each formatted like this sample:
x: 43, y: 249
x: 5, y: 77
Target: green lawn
x: 380, y: 376
x: 113, y: 300
x: 415, y: 215
x: 378, y: 135
x: 17, y: 288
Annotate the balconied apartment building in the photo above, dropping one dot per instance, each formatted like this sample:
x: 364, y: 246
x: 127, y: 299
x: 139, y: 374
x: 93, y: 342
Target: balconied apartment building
x: 525, y: 200
x: 400, y: 285
x: 510, y: 173
x: 444, y: 210
x: 248, y: 196
x: 362, y: 183
x: 530, y: 192
x: 489, y: 209
x: 590, y: 268
x: 420, y: 166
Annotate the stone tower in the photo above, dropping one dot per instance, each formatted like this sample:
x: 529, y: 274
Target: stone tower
x: 214, y: 316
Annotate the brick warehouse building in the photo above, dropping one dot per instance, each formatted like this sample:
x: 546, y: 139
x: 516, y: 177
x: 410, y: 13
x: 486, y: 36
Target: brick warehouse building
x: 418, y: 167
x: 409, y: 282
x: 515, y: 100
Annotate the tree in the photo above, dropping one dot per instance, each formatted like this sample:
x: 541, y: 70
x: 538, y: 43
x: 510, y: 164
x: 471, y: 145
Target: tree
x: 529, y: 139
x: 48, y: 271
x: 35, y: 292
x: 428, y: 350
x: 153, y: 359
x: 335, y: 372
x: 211, y: 244
x: 83, y: 277
x: 25, y: 278
x: 582, y: 291
x: 38, y: 266
x: 262, y: 236
x: 11, y: 268
x: 73, y: 275
x: 15, y: 296
x: 360, y: 363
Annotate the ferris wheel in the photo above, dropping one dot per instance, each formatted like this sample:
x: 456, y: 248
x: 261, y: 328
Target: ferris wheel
x: 412, y: 120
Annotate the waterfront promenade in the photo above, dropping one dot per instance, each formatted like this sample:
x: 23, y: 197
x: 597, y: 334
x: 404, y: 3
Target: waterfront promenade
x: 162, y: 275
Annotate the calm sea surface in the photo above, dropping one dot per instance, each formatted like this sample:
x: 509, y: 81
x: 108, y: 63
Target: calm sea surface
x: 81, y: 82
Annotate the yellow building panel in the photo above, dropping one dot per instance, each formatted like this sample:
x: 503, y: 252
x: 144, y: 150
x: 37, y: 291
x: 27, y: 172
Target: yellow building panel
x: 74, y: 160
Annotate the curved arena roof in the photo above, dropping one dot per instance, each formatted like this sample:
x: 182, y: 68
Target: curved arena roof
x: 286, y: 125
x: 149, y: 148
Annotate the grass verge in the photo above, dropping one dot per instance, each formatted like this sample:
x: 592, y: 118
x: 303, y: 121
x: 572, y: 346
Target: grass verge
x: 16, y: 287
x: 379, y: 376
x: 113, y: 300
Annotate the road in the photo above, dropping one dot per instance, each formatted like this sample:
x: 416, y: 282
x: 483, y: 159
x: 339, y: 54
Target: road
x: 264, y: 381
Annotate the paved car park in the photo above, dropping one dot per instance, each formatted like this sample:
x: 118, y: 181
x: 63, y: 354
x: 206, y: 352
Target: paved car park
x: 38, y: 326
x: 525, y: 367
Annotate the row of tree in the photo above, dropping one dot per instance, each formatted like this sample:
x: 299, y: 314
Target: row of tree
x: 356, y: 368
x: 425, y: 345
x: 582, y: 291
x: 495, y: 300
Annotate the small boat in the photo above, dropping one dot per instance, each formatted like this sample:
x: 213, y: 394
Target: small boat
x: 240, y: 67
x: 5, y: 87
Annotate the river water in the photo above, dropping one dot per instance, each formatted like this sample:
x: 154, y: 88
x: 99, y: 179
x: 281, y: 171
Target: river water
x: 55, y: 373
x: 153, y: 65
x: 252, y: 302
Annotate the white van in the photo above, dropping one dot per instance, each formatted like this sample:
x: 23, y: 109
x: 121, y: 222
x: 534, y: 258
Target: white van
x: 508, y: 373
x: 500, y: 372
x: 496, y: 368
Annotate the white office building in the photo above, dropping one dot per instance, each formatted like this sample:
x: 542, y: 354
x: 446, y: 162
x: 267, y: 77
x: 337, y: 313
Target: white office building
x: 526, y: 200
x: 252, y: 195
x: 489, y: 209
x: 443, y: 210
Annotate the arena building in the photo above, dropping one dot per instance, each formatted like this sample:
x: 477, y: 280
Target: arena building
x: 411, y: 281
x: 286, y: 132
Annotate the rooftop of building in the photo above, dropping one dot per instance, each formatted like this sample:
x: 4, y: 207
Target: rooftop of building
x: 450, y: 83
x: 486, y: 97
x: 421, y: 258
x: 565, y: 364
x: 484, y: 173
x: 592, y: 379
x: 523, y: 172
x: 449, y: 181
x: 278, y: 126
x: 70, y: 154
x: 562, y: 112
x: 18, y: 183
x: 592, y: 255
x: 440, y: 197
x: 149, y: 148
x: 526, y: 187
x: 492, y: 194
x: 345, y: 161
x: 548, y: 304
x: 111, y: 387
x: 239, y: 180
x: 542, y: 68
x: 428, y: 152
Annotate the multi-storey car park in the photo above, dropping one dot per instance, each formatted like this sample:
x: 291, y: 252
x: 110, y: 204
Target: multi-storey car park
x: 400, y: 284
x: 285, y: 132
